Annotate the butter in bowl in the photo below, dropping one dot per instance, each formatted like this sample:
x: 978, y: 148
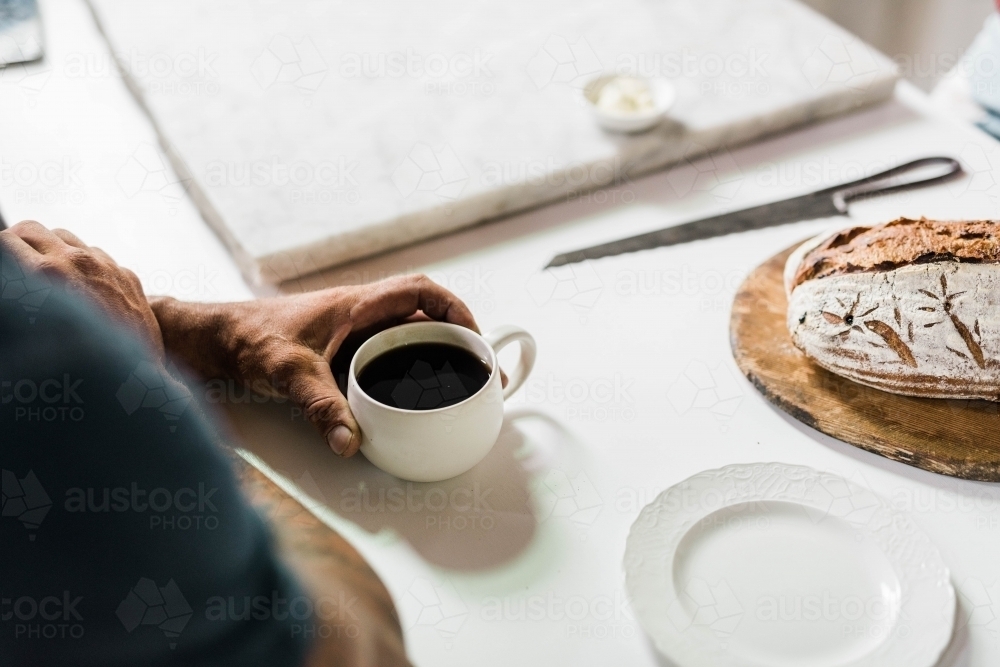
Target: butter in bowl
x: 628, y: 104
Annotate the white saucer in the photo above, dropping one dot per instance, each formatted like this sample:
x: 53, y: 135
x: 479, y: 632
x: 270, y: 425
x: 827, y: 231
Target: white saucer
x: 785, y: 566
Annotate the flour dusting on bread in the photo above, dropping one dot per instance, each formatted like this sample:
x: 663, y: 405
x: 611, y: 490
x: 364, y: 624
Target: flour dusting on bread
x: 911, y: 307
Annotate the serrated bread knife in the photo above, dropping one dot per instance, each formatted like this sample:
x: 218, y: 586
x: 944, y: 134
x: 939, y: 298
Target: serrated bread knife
x: 821, y: 204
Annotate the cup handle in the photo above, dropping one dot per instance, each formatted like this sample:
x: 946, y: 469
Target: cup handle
x: 503, y: 336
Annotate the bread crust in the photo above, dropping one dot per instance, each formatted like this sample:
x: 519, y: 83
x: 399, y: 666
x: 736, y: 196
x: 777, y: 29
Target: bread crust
x: 888, y: 317
x: 899, y: 243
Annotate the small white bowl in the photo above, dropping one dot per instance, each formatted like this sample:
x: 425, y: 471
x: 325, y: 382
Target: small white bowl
x: 663, y: 93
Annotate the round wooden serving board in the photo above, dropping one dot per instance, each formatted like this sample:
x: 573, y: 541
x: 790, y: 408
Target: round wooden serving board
x: 951, y: 437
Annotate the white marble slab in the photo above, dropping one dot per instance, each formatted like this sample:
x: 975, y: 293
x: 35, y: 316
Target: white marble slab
x: 315, y: 133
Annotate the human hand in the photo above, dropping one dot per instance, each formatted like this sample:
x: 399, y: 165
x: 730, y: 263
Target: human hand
x: 85, y: 270
x: 283, y: 346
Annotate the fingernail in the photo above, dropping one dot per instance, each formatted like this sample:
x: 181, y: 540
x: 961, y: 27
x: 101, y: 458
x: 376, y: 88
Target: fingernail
x: 340, y: 439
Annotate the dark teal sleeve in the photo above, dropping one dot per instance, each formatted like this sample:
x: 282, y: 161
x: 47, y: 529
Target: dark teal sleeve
x: 125, y: 540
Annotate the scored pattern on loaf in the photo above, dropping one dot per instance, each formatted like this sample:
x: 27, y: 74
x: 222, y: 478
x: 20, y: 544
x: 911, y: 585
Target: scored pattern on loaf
x: 910, y: 306
x: 929, y: 330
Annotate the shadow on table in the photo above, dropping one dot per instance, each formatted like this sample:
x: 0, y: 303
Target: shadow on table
x: 478, y: 520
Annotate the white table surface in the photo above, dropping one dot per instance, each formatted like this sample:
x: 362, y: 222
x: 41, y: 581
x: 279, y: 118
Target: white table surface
x: 563, y: 486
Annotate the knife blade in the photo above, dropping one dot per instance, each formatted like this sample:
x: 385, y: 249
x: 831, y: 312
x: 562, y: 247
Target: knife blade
x: 828, y: 202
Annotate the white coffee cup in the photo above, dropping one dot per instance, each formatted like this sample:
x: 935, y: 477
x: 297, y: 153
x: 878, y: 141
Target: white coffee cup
x: 432, y: 445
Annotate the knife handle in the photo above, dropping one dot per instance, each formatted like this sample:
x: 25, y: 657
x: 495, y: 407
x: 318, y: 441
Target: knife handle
x: 892, y: 180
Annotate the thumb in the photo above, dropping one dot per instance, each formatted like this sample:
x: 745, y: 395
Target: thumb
x: 323, y: 404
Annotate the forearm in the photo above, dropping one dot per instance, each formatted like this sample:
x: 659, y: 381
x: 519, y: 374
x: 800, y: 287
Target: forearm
x: 197, y: 334
x: 355, y: 623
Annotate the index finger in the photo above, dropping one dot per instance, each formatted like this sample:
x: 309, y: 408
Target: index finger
x: 403, y: 296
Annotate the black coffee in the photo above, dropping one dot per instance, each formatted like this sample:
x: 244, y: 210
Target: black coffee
x: 423, y: 376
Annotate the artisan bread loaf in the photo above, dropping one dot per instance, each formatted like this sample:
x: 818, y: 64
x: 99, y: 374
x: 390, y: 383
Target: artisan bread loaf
x: 911, y: 306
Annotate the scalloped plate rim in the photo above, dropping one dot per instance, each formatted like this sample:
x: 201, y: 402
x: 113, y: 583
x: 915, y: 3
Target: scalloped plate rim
x: 642, y: 587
